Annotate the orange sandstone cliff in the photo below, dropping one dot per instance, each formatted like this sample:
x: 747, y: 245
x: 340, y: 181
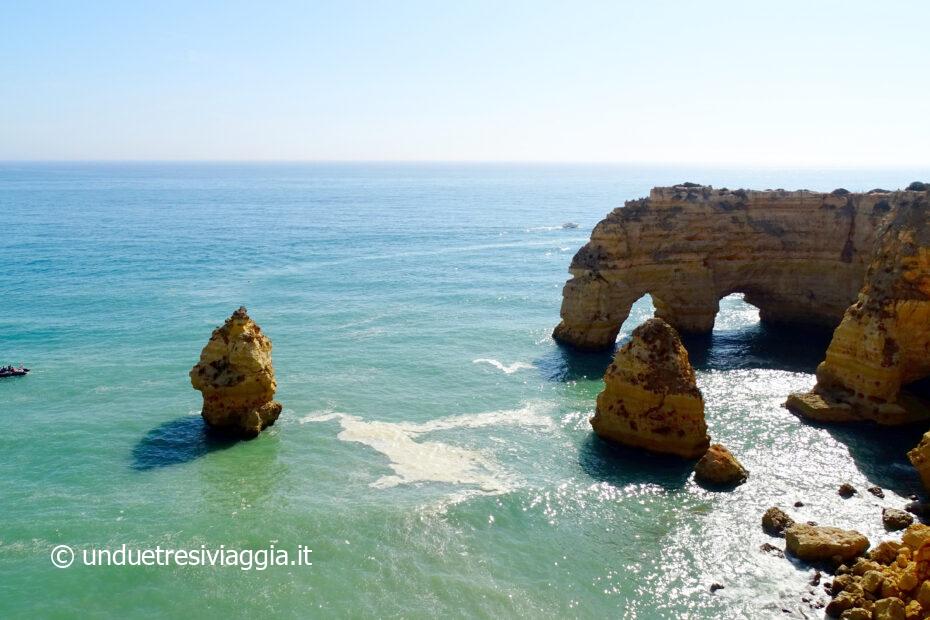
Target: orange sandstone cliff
x: 799, y: 256
x: 883, y: 341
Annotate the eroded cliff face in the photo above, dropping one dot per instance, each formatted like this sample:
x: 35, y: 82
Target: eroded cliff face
x: 236, y: 378
x: 883, y: 341
x: 799, y: 256
x: 650, y: 398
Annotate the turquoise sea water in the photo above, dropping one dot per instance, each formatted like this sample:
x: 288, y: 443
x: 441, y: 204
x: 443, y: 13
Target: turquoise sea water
x: 434, y: 450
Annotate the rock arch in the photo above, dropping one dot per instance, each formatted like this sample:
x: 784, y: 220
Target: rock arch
x: 799, y: 256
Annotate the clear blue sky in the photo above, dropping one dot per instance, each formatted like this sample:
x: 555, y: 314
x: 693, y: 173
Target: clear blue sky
x: 783, y: 82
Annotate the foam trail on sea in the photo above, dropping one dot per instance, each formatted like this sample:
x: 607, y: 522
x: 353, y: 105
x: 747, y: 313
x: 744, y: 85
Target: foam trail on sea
x: 509, y: 369
x: 414, y: 460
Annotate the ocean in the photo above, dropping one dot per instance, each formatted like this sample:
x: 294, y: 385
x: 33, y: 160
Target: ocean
x: 434, y: 451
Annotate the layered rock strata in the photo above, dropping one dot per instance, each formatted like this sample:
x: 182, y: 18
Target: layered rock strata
x: 236, y: 378
x: 883, y: 341
x: 799, y: 256
x: 650, y: 398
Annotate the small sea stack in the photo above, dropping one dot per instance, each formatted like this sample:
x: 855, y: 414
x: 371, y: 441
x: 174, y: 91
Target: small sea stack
x: 650, y: 398
x: 236, y: 378
x: 719, y: 468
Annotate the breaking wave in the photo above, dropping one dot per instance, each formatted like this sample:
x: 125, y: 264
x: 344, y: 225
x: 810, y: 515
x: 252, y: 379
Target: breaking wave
x: 509, y: 369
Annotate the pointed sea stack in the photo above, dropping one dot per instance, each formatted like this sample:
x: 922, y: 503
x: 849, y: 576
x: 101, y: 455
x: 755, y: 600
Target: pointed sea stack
x: 650, y: 398
x: 236, y: 378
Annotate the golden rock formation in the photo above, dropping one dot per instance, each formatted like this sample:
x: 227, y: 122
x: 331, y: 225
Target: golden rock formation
x: 892, y: 582
x: 650, y: 398
x: 816, y: 543
x: 799, y: 256
x: 718, y: 467
x: 236, y: 378
x: 883, y: 341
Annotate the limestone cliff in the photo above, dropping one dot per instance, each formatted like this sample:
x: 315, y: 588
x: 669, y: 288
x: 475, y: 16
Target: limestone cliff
x: 883, y: 341
x: 236, y: 378
x: 650, y: 398
x: 799, y: 256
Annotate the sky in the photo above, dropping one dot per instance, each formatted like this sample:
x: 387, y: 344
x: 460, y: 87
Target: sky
x: 801, y: 83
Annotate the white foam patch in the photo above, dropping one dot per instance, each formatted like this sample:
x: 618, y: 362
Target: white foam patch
x: 509, y: 369
x: 415, y: 461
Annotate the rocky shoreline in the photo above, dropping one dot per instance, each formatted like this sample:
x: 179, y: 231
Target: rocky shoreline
x: 857, y: 262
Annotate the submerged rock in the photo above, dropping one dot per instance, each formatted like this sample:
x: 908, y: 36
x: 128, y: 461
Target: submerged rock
x: 236, y: 378
x: 718, y: 467
x: 650, y: 398
x: 876, y: 491
x: 820, y: 543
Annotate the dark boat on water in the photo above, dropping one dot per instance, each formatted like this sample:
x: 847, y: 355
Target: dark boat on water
x: 9, y: 371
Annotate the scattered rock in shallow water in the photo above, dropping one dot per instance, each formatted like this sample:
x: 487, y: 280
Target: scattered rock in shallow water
x: 650, y: 398
x: 236, y: 378
x: 895, y: 519
x: 798, y: 504
x: 775, y: 521
x: 846, y: 490
x: 771, y: 550
x: 877, y: 492
x: 718, y: 467
x: 715, y: 586
x: 821, y: 543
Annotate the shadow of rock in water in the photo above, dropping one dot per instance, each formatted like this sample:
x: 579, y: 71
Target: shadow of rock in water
x: 880, y: 453
x: 179, y: 441
x: 794, y: 348
x: 620, y: 465
x: 565, y: 363
x: 762, y: 345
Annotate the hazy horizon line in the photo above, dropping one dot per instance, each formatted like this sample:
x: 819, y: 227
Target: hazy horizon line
x: 618, y: 163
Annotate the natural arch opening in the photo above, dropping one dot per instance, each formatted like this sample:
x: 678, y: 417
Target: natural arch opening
x: 735, y: 313
x: 642, y: 309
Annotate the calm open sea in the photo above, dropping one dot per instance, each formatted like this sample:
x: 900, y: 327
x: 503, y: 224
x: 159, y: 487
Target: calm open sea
x: 434, y: 450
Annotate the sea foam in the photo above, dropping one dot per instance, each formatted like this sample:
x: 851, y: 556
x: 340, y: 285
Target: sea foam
x: 414, y: 460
